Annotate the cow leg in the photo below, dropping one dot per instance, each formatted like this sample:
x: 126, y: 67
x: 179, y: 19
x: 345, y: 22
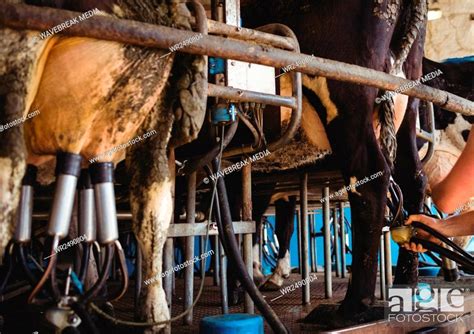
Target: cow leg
x: 19, y: 56
x: 152, y: 209
x: 357, y: 150
x: 412, y: 181
x: 260, y: 205
x: 285, y: 213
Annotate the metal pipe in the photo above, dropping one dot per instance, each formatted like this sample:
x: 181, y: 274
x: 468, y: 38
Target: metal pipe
x: 216, y: 274
x: 62, y: 206
x: 297, y: 93
x: 306, y: 298
x: 189, y: 249
x: 87, y: 214
x: 167, y: 264
x: 219, y: 28
x: 312, y: 242
x: 242, y: 95
x: 228, y: 234
x: 388, y: 258
x: 327, y: 245
x: 247, y: 216
x: 337, y: 254
x: 107, y: 227
x: 22, y: 16
x: 298, y: 226
x: 223, y: 274
x: 343, y: 239
x: 25, y: 207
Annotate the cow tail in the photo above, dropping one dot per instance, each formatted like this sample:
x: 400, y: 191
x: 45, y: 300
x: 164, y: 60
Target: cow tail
x: 190, y: 84
x: 413, y: 18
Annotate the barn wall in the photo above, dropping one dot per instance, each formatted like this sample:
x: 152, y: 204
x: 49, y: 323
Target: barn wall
x: 453, y: 34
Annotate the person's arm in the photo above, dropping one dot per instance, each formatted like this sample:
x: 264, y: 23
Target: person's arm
x: 458, y: 186
x: 453, y: 227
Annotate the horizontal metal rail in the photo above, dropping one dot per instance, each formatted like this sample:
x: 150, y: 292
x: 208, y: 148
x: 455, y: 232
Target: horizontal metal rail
x: 219, y: 28
x: 241, y: 95
x: 179, y: 230
x: 21, y: 16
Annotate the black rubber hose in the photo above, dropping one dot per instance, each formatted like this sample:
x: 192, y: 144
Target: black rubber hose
x: 200, y: 162
x: 24, y: 263
x: 85, y: 261
x: 109, y: 257
x: 9, y: 256
x: 235, y: 258
x: 468, y: 265
x: 86, y: 318
x: 443, y: 238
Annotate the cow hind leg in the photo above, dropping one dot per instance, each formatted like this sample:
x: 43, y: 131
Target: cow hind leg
x: 152, y: 208
x: 412, y: 181
x: 364, y: 167
x: 284, y: 212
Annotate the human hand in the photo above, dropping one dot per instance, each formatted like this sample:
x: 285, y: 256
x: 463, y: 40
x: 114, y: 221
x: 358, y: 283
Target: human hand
x: 434, y: 223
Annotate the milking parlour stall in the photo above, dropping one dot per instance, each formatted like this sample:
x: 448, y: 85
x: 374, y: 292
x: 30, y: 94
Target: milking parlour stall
x: 236, y: 166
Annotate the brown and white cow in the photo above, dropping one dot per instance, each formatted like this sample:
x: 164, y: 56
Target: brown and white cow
x: 92, y: 96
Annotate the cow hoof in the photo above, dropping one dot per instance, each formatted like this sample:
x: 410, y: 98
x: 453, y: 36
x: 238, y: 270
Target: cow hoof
x: 236, y: 296
x: 274, y: 283
x: 258, y: 277
x: 333, y: 317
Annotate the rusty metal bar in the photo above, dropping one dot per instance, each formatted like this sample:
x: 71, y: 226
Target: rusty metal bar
x: 297, y: 93
x: 327, y: 244
x: 304, y: 264
x: 247, y: 215
x: 218, y: 28
x: 22, y: 16
x: 241, y: 95
x: 189, y: 249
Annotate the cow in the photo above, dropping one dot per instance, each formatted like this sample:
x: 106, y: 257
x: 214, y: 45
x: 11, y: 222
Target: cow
x: 93, y: 95
x: 452, y: 131
x: 382, y: 35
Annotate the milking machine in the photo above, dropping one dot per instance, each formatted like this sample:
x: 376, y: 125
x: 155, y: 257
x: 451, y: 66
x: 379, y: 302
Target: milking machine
x: 402, y: 233
x: 17, y: 249
x: 65, y: 309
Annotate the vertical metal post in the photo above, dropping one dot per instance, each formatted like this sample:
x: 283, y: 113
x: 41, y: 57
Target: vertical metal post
x: 383, y: 286
x: 202, y: 249
x: 247, y: 216
x: 342, y: 224
x: 312, y: 242
x: 337, y: 254
x: 217, y: 278
x: 304, y: 237
x: 388, y: 257
x: 298, y: 225
x: 168, y: 264
x: 223, y: 273
x: 189, y: 249
x: 327, y: 244
x: 168, y: 250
